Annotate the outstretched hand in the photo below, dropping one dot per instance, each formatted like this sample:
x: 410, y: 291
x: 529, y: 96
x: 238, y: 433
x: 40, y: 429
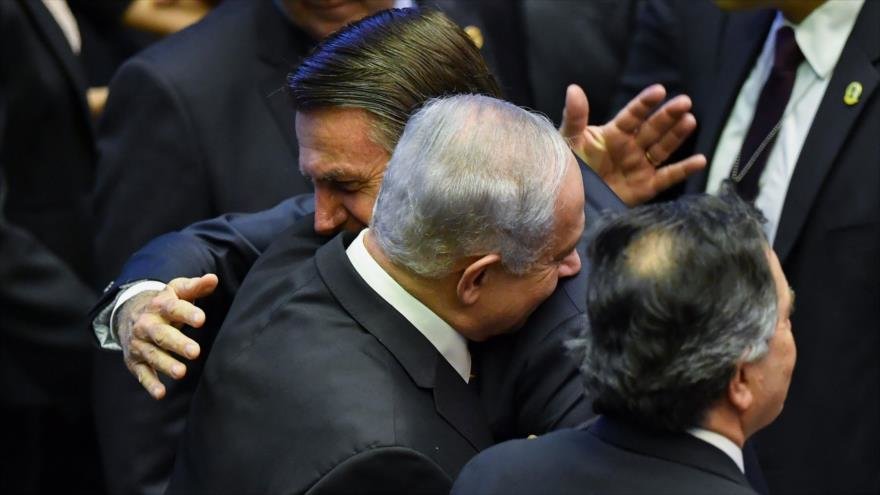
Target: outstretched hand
x: 149, y: 332
x: 628, y: 151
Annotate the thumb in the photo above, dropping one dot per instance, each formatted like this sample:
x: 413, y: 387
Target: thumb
x: 576, y: 113
x: 190, y: 289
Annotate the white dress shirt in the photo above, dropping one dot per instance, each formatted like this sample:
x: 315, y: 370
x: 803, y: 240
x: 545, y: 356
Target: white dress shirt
x: 821, y: 37
x: 449, y: 343
x: 723, y: 444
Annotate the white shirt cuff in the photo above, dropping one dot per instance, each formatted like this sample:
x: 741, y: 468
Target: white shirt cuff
x: 104, y: 324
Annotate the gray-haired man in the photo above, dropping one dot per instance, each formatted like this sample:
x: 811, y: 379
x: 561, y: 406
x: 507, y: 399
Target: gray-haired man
x: 689, y: 352
x: 350, y: 372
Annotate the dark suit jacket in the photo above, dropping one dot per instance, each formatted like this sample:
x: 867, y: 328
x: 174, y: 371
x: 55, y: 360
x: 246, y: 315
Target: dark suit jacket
x: 536, y: 48
x: 46, y: 167
x: 607, y: 457
x: 46, y: 170
x: 315, y: 384
x: 828, y: 236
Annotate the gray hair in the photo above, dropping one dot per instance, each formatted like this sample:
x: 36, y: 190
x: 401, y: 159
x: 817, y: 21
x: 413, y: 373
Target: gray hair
x: 471, y: 175
x: 678, y: 295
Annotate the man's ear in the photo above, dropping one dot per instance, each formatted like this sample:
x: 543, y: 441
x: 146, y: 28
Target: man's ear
x: 474, y: 278
x: 739, y: 390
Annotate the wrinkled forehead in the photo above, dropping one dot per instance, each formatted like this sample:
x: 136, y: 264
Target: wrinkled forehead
x: 336, y: 141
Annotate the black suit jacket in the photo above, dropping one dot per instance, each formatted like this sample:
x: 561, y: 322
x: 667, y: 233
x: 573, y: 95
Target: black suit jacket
x: 536, y: 48
x: 315, y: 384
x: 828, y: 236
x: 46, y: 168
x: 607, y: 457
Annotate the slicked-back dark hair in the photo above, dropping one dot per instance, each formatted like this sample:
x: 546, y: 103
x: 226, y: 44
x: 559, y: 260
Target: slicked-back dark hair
x: 679, y: 293
x: 390, y: 64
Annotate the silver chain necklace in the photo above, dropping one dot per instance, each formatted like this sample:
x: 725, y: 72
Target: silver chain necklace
x: 736, y: 175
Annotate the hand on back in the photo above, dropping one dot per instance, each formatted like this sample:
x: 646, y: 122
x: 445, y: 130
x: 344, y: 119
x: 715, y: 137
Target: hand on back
x: 149, y: 330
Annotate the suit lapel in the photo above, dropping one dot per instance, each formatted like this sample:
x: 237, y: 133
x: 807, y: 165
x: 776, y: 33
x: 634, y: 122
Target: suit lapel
x: 743, y: 35
x: 60, y: 48
x: 831, y: 125
x: 453, y: 399
x: 460, y: 407
x: 281, y: 47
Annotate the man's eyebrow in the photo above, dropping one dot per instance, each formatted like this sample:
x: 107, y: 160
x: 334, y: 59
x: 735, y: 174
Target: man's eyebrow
x: 791, y: 306
x: 328, y: 176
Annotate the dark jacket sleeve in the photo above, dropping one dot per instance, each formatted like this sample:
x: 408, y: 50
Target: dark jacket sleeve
x: 384, y: 470
x: 227, y: 246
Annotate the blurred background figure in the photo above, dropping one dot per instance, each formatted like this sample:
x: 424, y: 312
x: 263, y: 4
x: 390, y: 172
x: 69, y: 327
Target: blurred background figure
x: 52, y: 56
x: 536, y: 48
x: 47, y: 158
x: 113, y: 31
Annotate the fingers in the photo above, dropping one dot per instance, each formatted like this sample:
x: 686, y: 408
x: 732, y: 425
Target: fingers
x: 158, y: 331
x: 672, y: 174
x: 190, y: 289
x: 661, y: 122
x: 148, y: 378
x: 144, y: 352
x: 167, y: 305
x: 671, y: 139
x: 634, y: 114
x: 576, y: 113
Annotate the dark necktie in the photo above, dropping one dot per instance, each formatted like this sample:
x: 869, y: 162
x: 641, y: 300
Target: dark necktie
x: 768, y: 115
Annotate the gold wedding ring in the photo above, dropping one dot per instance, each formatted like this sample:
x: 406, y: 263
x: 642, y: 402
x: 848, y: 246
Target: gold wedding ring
x: 653, y: 161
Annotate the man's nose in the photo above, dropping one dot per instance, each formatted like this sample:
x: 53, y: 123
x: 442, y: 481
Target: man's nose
x: 329, y: 212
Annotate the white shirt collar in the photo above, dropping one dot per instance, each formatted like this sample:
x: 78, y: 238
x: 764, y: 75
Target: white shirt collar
x: 722, y: 443
x: 822, y: 35
x: 449, y: 343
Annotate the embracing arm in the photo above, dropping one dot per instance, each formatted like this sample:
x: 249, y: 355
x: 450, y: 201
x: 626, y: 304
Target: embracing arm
x: 145, y: 322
